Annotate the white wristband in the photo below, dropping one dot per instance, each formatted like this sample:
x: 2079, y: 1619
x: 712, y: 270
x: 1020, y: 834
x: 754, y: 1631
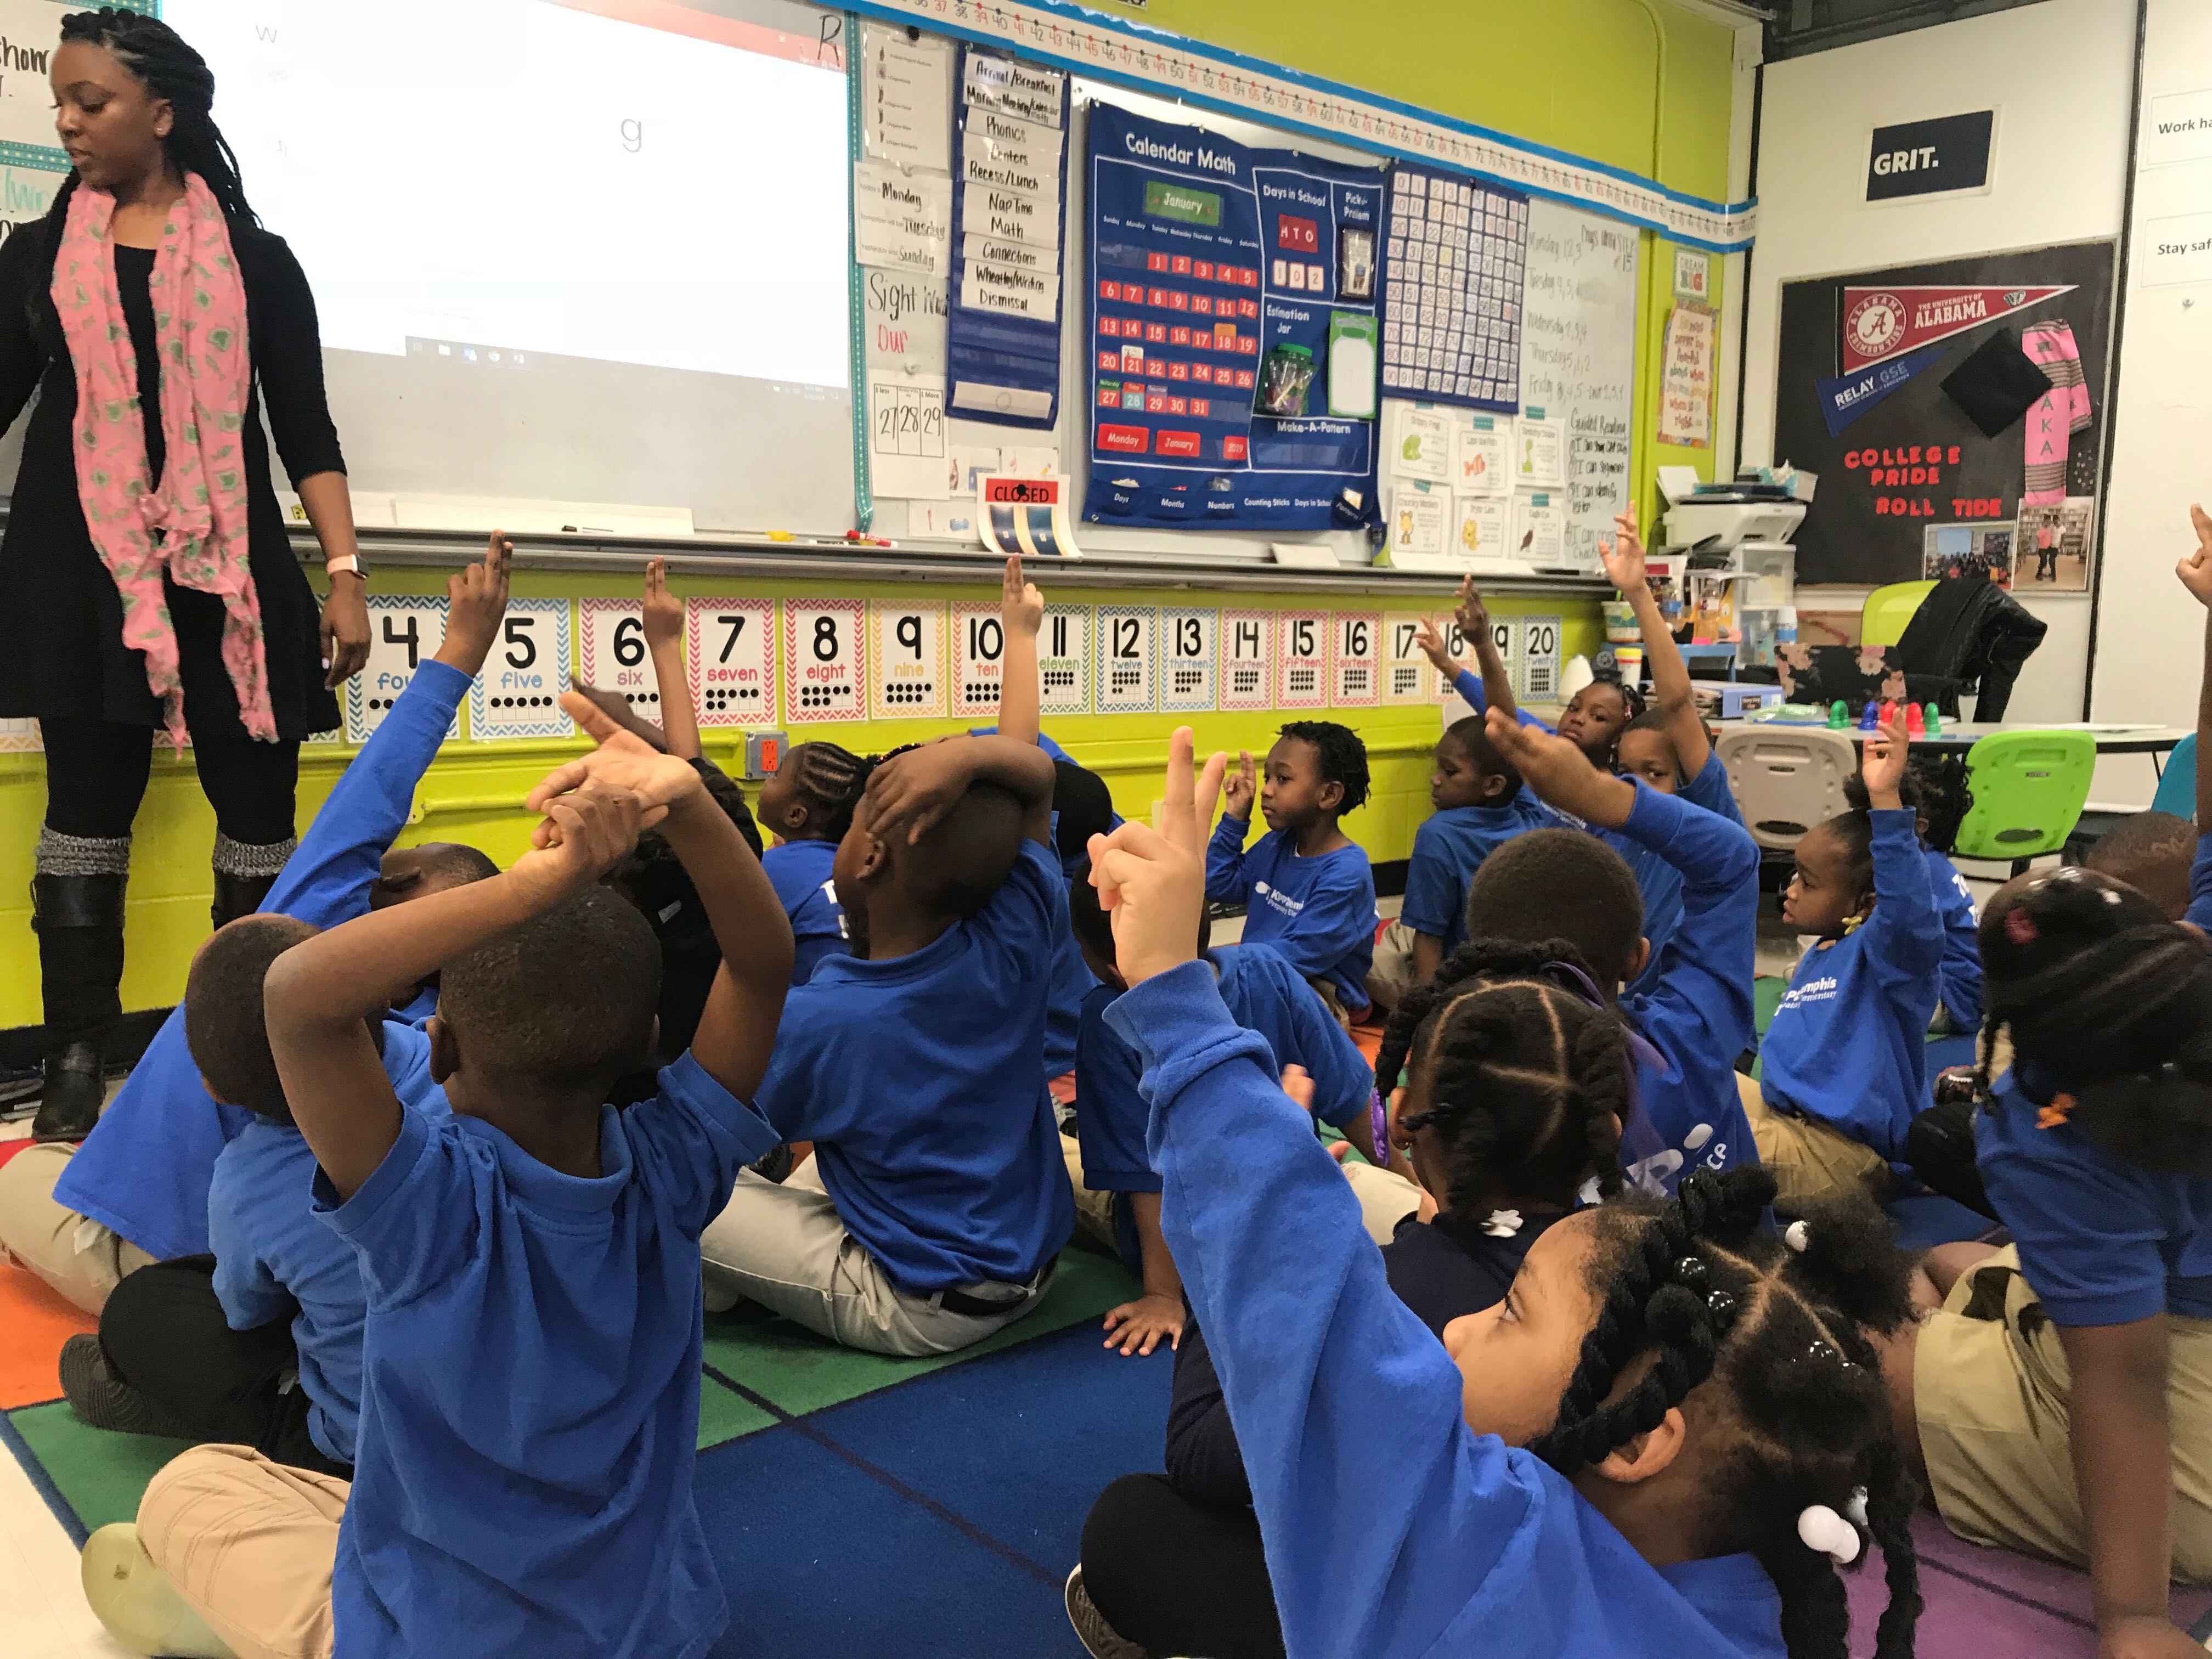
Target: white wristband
x: 345, y: 564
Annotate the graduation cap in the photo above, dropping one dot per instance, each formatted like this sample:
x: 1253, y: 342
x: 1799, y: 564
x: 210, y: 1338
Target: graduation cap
x: 1998, y: 383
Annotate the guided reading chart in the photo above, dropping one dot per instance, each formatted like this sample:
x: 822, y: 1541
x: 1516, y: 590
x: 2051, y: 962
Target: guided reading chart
x: 1407, y: 676
x: 908, y: 641
x: 1187, y: 654
x: 1125, y: 660
x: 1355, y: 659
x: 611, y: 653
x: 979, y: 657
x: 404, y: 634
x: 825, y: 663
x: 1064, y: 660
x: 728, y: 660
x: 1248, y: 660
x: 1302, y: 640
x: 517, y: 693
x: 1538, y: 675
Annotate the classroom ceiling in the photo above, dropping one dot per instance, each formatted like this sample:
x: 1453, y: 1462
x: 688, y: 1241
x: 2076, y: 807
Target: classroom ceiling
x: 1798, y: 26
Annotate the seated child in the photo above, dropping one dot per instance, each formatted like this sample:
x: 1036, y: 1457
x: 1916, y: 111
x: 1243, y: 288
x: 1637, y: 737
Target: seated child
x: 1266, y: 994
x: 136, y: 1190
x: 530, y: 1388
x: 1592, y: 721
x: 808, y: 803
x: 1958, y: 976
x: 1845, y: 1062
x: 1480, y: 804
x: 2153, y: 852
x: 1648, y: 1490
x: 2065, y: 1384
x: 1695, y: 1019
x: 1307, y: 888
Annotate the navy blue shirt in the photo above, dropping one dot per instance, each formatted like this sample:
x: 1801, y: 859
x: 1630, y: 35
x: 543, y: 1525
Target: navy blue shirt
x: 530, y: 1387
x: 800, y: 872
x: 921, y: 1081
x: 1318, y: 912
x: 1448, y: 849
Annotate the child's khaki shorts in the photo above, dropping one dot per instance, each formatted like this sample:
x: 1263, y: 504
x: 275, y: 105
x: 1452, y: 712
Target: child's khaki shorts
x: 1807, y: 1157
x: 1990, y: 1387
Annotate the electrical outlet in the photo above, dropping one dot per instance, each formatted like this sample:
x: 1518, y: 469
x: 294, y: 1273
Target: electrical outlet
x: 764, y: 752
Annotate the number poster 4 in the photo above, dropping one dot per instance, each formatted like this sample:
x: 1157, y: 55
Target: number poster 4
x: 908, y: 641
x: 611, y: 653
x: 518, y: 694
x: 979, y: 659
x: 1125, y: 659
x: 404, y: 634
x: 1248, y: 660
x: 1354, y: 663
x: 1187, y: 646
x: 729, y: 661
x: 1064, y: 660
x: 1302, y: 640
x: 824, y: 662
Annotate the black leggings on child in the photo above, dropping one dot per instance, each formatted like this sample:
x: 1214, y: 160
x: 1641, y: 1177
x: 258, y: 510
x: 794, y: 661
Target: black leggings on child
x: 165, y: 1334
x: 1174, y: 1575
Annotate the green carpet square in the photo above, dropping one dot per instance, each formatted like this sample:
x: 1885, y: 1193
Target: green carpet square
x: 801, y: 1372
x: 724, y: 1416
x: 102, y: 1474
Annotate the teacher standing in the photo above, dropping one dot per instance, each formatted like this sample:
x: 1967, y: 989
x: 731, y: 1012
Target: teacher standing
x: 150, y: 585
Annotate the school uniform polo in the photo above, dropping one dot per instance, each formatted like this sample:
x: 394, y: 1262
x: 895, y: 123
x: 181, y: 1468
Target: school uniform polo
x: 1448, y: 849
x: 800, y: 872
x: 1319, y: 912
x: 1959, y: 976
x: 921, y: 1081
x: 529, y: 1386
x: 1659, y: 882
x: 143, y: 1171
x: 1469, y: 1545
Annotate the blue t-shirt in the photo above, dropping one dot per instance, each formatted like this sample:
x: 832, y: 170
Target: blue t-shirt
x: 2102, y: 1240
x: 1469, y: 1546
x: 144, y: 1169
x: 530, y: 1387
x: 1448, y: 849
x: 270, y: 1252
x: 1959, y: 978
x: 1849, y: 1044
x: 921, y: 1082
x: 1318, y: 912
x: 1659, y: 882
x: 800, y: 872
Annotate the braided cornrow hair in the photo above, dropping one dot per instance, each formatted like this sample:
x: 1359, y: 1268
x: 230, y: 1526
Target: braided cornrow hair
x: 832, y: 780
x: 171, y: 70
x: 1698, y: 1283
x: 1526, y: 1077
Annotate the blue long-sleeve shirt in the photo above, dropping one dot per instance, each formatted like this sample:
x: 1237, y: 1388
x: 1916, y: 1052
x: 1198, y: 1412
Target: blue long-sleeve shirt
x: 1319, y: 913
x: 1659, y: 882
x: 1697, y: 1012
x: 1849, y: 1043
x: 1469, y: 1545
x: 145, y: 1168
x: 1468, y: 685
x: 1958, y: 979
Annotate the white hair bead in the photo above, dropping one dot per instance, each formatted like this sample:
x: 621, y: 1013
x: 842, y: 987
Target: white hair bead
x: 1820, y: 1528
x: 1797, y: 1236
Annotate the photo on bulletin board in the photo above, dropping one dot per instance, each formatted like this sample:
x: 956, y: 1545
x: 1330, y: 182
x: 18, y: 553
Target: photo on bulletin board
x: 1966, y: 550
x: 1962, y: 393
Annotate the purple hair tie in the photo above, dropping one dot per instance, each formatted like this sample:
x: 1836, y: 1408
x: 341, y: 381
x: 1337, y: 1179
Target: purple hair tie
x: 1378, y: 1125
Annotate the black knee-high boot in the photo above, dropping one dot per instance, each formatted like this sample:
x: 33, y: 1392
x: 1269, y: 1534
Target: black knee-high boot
x: 244, y: 874
x: 79, y: 920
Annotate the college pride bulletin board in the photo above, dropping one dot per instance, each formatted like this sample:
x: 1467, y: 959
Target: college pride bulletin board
x: 1234, y: 333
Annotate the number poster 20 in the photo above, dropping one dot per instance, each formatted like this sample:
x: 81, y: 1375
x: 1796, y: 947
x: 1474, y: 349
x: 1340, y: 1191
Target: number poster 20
x: 729, y: 660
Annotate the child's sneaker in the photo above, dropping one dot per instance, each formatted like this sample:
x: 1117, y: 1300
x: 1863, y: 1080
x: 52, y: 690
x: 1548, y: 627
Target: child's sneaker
x: 1100, y: 1639
x: 140, y: 1607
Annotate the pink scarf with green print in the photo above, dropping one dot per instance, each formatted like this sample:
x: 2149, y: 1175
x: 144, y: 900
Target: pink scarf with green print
x: 194, y: 526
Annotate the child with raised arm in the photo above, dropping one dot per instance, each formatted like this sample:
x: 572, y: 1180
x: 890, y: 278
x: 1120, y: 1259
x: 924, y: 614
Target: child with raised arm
x: 530, y: 1388
x: 1594, y: 718
x: 1654, y: 1446
x: 1307, y: 888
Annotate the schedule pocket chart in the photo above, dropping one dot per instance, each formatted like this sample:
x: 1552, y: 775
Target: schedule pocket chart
x: 1457, y: 258
x: 518, y: 692
x: 731, y: 660
x: 404, y: 634
x: 612, y: 655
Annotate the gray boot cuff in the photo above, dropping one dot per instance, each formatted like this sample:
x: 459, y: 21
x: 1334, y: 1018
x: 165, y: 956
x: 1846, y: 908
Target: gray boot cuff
x: 82, y: 855
x: 251, y: 862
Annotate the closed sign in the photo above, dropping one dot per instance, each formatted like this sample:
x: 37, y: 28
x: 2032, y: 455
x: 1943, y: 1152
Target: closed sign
x: 1944, y: 156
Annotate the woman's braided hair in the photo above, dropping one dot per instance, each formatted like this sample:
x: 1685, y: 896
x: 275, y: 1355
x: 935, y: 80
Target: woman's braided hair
x: 171, y: 70
x: 1804, y: 1416
x: 1527, y: 1078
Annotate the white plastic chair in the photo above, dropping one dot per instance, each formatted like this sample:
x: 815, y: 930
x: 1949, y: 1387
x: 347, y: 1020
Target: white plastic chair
x: 1787, y: 778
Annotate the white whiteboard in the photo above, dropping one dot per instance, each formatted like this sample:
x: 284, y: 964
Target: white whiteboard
x: 1578, y: 359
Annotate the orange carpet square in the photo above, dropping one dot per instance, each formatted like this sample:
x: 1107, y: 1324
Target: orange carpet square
x: 34, y: 1323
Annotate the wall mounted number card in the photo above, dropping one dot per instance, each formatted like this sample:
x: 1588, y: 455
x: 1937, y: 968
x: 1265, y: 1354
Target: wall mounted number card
x: 824, y: 661
x: 730, y: 657
x: 908, y: 641
x: 1302, y: 646
x: 1504, y: 634
x: 611, y: 653
x: 1355, y: 659
x: 404, y: 634
x: 1407, y: 676
x: 517, y: 694
x: 1064, y: 660
x: 979, y: 659
x: 1125, y: 659
x: 1186, y: 647
x: 1248, y: 660
x: 1537, y: 674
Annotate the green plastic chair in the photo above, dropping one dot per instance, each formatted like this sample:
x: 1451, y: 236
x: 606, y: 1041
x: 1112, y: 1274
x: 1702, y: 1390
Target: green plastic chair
x: 1888, y: 610
x: 2029, y: 788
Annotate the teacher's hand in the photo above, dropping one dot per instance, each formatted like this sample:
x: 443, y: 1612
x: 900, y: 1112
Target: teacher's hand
x: 345, y: 629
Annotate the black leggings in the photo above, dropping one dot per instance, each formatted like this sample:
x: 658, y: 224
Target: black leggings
x: 165, y: 1334
x: 96, y: 773
x: 1178, y: 1577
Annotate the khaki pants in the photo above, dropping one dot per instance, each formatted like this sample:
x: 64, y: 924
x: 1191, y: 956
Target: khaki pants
x: 1386, y: 1198
x: 1094, y: 1212
x: 1993, y: 1395
x: 1807, y: 1158
x: 786, y: 1248
x: 76, y: 1255
x: 248, y: 1544
x: 1392, y: 976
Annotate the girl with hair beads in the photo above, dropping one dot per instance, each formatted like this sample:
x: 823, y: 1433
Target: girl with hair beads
x: 1654, y: 1445
x: 809, y: 804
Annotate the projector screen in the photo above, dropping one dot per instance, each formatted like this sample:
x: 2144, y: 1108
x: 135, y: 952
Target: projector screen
x: 589, y: 252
